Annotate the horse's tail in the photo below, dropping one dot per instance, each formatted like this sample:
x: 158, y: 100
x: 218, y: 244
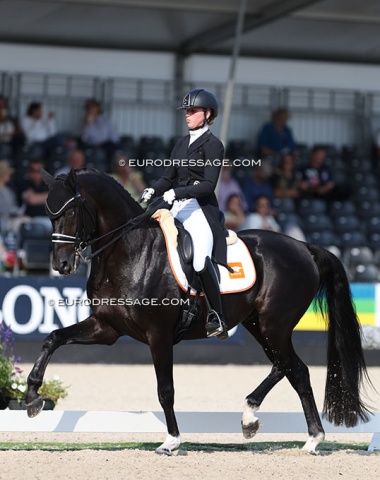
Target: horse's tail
x: 346, y: 367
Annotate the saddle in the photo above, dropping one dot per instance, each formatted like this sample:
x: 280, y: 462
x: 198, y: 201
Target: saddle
x: 180, y: 252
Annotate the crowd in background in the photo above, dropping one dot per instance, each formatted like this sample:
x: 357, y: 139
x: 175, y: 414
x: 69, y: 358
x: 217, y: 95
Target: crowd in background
x: 249, y: 197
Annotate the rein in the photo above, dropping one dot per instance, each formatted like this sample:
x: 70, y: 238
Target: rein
x: 81, y: 244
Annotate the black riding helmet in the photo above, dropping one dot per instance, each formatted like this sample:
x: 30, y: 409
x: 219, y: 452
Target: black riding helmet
x: 200, y: 98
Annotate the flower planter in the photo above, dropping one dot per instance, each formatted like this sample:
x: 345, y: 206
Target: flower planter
x: 14, y: 404
x: 3, y: 402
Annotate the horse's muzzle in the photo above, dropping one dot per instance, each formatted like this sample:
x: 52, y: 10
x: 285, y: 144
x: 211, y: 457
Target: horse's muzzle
x: 65, y: 265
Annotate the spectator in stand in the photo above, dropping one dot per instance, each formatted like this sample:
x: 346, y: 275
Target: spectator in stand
x: 10, y: 214
x: 7, y: 126
x: 34, y: 191
x: 286, y: 180
x: 127, y: 176
x: 262, y: 218
x: 10, y: 128
x: 376, y: 158
x: 227, y: 187
x: 40, y: 129
x: 259, y: 184
x: 316, y: 177
x: 234, y: 216
x: 276, y: 137
x: 75, y: 160
x: 98, y: 130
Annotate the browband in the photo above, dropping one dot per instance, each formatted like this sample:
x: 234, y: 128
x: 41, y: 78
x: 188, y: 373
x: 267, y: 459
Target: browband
x: 53, y: 215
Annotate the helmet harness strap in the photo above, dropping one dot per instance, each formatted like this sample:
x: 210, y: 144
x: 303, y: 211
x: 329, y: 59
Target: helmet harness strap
x: 205, y: 120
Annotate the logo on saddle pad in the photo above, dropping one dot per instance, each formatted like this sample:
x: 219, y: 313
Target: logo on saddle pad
x: 238, y: 270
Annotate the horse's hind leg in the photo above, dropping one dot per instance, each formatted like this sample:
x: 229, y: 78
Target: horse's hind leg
x: 250, y: 423
x: 89, y: 331
x: 299, y: 378
x: 286, y: 362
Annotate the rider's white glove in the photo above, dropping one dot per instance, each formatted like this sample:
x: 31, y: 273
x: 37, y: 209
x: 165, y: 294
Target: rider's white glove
x: 169, y: 196
x: 147, y: 194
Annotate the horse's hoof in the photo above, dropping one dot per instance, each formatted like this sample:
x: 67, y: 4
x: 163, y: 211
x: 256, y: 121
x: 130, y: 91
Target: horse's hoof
x: 164, y: 451
x: 313, y: 442
x: 251, y: 429
x: 171, y: 443
x: 34, y: 407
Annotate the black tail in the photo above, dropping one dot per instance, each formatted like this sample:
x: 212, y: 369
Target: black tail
x: 345, y: 360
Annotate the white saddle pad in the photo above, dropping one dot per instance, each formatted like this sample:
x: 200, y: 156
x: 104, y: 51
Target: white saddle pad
x: 238, y: 258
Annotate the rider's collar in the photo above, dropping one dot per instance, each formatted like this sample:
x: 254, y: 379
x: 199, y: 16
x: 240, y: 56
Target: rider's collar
x: 195, y: 134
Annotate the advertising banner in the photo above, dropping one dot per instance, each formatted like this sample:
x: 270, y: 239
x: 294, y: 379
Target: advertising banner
x: 34, y: 306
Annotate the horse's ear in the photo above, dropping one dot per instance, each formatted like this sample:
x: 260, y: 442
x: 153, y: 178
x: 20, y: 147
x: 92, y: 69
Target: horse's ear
x: 71, y: 180
x: 47, y: 178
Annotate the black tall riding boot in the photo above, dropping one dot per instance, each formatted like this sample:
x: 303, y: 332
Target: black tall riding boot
x: 215, y: 325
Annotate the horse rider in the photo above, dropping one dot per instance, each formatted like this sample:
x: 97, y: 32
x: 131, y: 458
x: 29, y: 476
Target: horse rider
x: 188, y: 184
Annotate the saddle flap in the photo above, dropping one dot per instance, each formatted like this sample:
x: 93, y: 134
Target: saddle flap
x: 185, y: 243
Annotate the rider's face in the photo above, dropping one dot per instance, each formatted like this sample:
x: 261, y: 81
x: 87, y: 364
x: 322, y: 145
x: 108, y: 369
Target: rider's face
x: 195, y: 117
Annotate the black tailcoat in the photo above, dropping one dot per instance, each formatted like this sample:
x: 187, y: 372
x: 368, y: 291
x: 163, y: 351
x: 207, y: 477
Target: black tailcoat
x: 194, y: 173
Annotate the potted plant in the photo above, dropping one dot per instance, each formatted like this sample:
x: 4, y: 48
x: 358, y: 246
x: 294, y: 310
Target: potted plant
x: 13, y: 384
x: 7, y: 364
x: 51, y: 391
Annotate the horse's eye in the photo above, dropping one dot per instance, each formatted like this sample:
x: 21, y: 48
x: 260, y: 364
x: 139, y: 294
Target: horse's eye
x: 70, y: 213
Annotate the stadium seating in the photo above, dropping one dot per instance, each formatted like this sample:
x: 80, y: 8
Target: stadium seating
x: 285, y: 205
x: 347, y: 223
x: 325, y: 238
x: 317, y: 223
x: 339, y: 208
x: 34, y: 245
x: 149, y: 144
x: 354, y: 239
x: 312, y: 206
x: 366, y: 274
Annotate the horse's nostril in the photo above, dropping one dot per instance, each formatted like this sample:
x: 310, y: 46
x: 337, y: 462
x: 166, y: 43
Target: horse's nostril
x: 64, y: 268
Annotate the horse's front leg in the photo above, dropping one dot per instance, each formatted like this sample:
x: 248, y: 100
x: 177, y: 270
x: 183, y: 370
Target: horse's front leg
x: 162, y: 355
x: 89, y: 331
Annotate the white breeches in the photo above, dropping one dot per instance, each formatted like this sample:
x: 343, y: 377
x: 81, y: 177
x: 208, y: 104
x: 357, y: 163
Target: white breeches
x: 190, y: 214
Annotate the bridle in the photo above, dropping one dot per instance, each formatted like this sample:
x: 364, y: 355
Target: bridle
x: 83, y: 236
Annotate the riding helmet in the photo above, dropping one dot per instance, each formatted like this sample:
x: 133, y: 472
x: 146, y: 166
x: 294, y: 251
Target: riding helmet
x: 201, y: 99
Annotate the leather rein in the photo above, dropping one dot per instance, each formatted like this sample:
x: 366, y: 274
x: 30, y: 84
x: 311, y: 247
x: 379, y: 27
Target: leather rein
x: 82, y: 239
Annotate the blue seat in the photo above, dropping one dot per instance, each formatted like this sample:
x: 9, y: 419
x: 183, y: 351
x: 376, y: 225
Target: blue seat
x: 284, y: 205
x: 365, y: 192
x: 34, y: 245
x: 237, y: 148
x: 366, y: 274
x: 289, y: 218
x: 347, y: 223
x: 354, y: 239
x: 358, y: 256
x: 339, y: 208
x: 312, y: 206
x: 325, y: 238
x: 320, y: 222
x: 151, y: 143
x: 368, y: 209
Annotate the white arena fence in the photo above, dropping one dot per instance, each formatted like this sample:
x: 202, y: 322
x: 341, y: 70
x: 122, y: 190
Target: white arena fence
x: 154, y: 422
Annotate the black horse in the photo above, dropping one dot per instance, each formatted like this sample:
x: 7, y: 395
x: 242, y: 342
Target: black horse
x: 89, y: 205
